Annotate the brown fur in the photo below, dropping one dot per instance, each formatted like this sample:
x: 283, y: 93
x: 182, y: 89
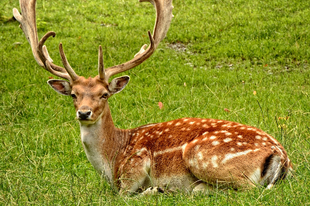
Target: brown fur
x: 183, y: 154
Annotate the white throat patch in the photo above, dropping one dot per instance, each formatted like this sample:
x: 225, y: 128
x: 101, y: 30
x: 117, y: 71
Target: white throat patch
x: 90, y: 136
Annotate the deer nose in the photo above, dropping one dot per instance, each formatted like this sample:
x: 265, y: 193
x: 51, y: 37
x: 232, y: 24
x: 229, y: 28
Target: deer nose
x: 84, y: 114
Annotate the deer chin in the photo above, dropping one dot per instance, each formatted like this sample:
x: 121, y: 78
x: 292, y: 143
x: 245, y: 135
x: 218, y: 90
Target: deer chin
x: 89, y: 121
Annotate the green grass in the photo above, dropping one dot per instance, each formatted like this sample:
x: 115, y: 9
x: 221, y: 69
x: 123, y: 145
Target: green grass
x: 233, y: 48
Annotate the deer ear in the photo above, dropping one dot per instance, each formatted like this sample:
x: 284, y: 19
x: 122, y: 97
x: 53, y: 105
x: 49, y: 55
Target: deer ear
x: 61, y: 86
x: 118, y: 84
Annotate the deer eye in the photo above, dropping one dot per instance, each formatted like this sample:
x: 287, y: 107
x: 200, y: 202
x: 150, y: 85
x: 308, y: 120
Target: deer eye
x: 73, y: 96
x: 104, y: 96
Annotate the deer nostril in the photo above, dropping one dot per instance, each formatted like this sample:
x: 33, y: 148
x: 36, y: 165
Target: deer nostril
x: 84, y: 115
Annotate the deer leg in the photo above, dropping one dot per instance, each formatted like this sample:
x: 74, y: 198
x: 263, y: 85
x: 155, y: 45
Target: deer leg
x: 201, y: 188
x: 135, y: 175
x: 152, y: 191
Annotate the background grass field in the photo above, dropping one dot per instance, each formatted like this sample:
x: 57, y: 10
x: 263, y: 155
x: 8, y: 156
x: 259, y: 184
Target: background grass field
x: 238, y: 60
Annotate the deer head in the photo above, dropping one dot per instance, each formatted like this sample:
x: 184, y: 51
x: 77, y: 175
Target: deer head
x: 89, y: 95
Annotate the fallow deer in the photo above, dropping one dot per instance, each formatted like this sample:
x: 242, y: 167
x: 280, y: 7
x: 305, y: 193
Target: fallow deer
x: 188, y: 154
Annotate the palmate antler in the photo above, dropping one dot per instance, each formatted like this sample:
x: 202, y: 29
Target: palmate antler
x: 40, y: 53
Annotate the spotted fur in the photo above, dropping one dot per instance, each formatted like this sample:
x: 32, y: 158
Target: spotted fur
x: 179, y: 154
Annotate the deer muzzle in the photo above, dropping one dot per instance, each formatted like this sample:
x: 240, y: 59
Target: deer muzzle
x: 84, y: 113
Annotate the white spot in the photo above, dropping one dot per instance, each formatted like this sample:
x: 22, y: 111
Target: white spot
x: 177, y: 124
x: 233, y: 155
x: 227, y: 140
x: 213, y: 137
x: 213, y: 124
x: 191, y: 162
x: 200, y: 156
x: 214, y: 143
x: 239, y: 136
x: 204, y: 165
x: 160, y: 133
x: 188, y: 129
x: 185, y: 120
x: 194, y: 141
x: 258, y: 137
x: 191, y: 122
x: 220, y: 121
x: 224, y: 125
x: 249, y: 128
x: 245, y: 143
x: 232, y: 149
x: 264, y: 143
x: 264, y: 138
x: 204, y: 120
x: 223, y: 131
x: 204, y: 139
x: 242, y: 127
x: 256, y: 144
x: 168, y: 150
x: 148, y: 125
x: 205, y: 133
x: 183, y: 129
x: 170, y: 136
x: 213, y: 161
x: 205, y: 126
x: 275, y: 141
x: 170, y: 123
x: 166, y: 130
x: 239, y: 143
x: 183, y: 147
x: 197, y: 147
x: 228, y: 133
x: 198, y: 123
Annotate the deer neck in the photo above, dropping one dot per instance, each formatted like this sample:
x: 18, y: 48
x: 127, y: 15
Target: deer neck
x: 102, y: 141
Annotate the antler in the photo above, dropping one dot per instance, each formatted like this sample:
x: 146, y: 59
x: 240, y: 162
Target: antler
x: 40, y: 53
x: 162, y: 24
x: 28, y: 24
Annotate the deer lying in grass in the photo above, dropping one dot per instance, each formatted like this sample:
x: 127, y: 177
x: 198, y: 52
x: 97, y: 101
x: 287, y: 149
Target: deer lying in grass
x: 188, y: 154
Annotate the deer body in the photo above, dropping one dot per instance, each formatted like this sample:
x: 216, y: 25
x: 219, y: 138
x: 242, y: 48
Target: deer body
x: 186, y: 154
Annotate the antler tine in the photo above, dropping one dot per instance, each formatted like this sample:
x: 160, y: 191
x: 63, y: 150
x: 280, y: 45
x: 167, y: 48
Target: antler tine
x: 43, y: 53
x: 162, y: 24
x: 28, y: 24
x: 100, y: 64
x: 66, y: 64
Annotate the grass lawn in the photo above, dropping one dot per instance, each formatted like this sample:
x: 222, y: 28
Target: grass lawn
x: 243, y: 61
